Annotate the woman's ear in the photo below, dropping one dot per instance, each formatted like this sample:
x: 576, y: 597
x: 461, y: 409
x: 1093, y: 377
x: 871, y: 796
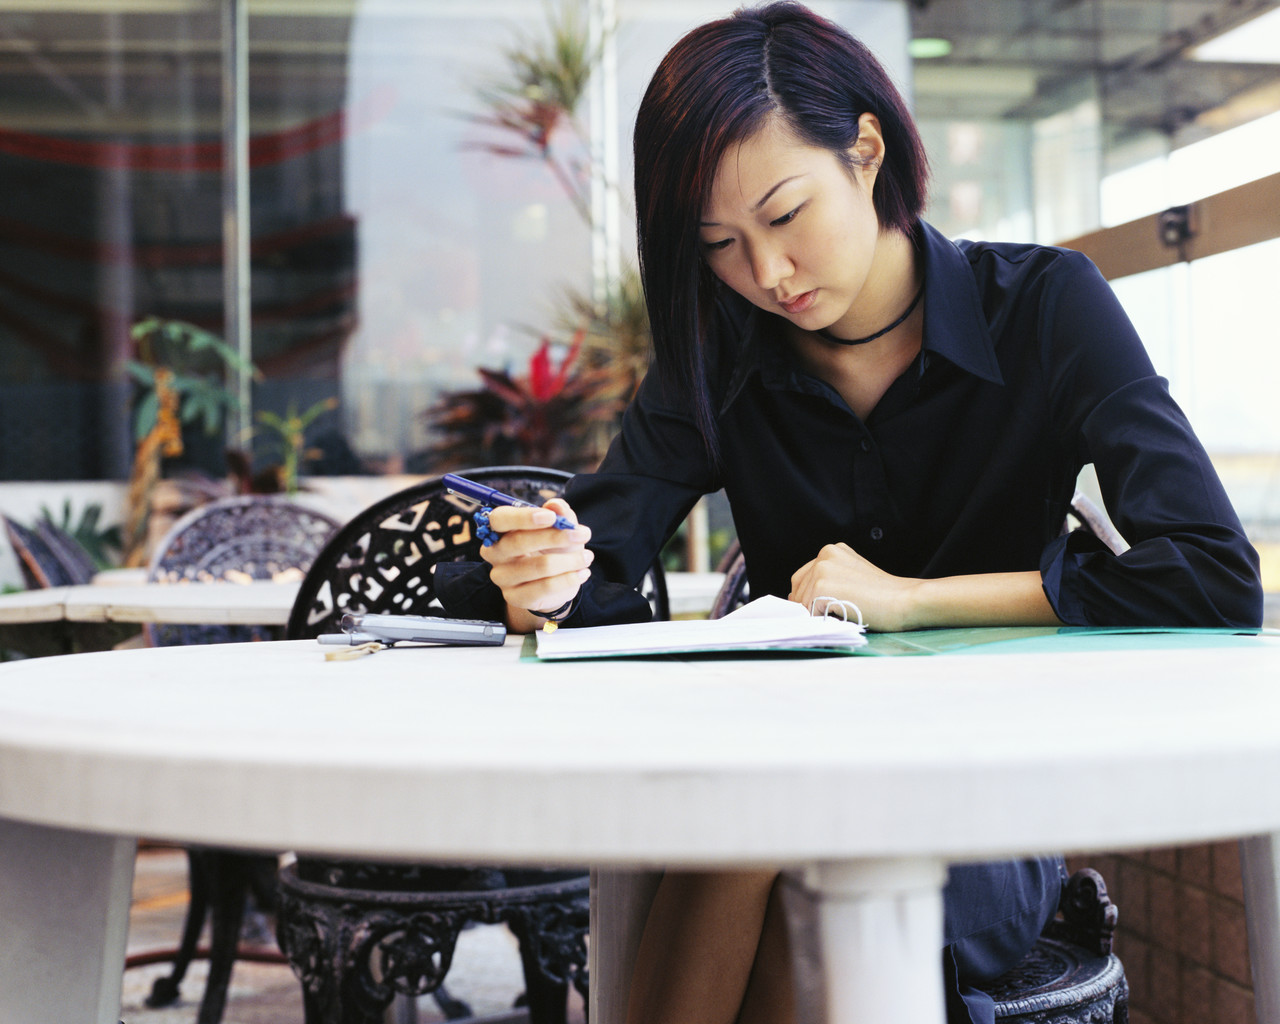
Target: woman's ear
x: 868, y: 151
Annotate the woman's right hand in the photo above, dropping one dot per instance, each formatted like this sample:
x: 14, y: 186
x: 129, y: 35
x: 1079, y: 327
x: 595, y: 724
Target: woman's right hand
x: 537, y: 567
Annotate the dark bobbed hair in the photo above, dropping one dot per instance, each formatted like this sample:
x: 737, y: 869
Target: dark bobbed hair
x: 715, y: 88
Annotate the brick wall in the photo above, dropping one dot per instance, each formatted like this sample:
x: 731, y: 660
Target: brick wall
x: 1181, y: 933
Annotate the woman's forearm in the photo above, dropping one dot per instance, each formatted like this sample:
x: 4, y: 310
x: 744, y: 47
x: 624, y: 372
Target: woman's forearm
x: 989, y: 599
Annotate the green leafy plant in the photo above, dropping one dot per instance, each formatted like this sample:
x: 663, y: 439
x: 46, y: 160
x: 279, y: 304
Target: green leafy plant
x: 181, y: 370
x: 189, y: 361
x: 290, y: 438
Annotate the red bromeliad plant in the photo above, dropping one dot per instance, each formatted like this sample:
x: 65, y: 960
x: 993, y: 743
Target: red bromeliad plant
x: 554, y: 415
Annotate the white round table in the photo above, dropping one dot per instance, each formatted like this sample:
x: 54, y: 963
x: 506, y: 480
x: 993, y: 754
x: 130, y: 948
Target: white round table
x: 867, y: 774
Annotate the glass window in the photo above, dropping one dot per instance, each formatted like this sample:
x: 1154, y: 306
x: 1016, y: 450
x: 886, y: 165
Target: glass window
x: 109, y: 208
x: 397, y: 241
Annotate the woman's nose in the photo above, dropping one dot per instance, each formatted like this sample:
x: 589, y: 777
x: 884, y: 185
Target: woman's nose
x: 769, y: 267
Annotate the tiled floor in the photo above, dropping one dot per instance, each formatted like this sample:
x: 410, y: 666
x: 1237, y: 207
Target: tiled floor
x: 486, y: 971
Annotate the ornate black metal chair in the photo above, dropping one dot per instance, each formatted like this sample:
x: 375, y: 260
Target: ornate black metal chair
x: 257, y: 537
x: 357, y: 934
x: 240, y: 539
x: 381, y: 561
x: 1071, y: 976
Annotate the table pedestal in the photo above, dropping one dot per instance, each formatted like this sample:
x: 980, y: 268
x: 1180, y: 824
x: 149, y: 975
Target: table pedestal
x: 877, y: 924
x: 879, y: 931
x: 64, y: 900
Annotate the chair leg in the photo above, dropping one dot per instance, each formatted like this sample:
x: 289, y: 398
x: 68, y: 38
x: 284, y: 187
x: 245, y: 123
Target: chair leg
x: 164, y: 992
x: 546, y: 998
x: 229, y: 878
x: 312, y: 1008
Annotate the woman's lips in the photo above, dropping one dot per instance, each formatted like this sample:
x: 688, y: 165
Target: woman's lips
x: 800, y: 303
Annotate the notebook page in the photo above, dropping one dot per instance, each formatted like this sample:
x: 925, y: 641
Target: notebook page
x: 767, y: 624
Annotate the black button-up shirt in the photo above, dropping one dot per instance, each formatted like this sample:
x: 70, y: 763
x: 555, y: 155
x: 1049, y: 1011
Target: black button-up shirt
x: 1029, y: 370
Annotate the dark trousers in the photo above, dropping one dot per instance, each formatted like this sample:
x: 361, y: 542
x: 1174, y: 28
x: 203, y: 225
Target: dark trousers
x: 992, y: 915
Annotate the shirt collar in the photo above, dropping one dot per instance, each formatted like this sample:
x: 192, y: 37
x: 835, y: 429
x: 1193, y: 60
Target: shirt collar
x: 955, y: 325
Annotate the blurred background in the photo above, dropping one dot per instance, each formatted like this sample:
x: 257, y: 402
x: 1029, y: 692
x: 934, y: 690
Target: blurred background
x: 407, y: 223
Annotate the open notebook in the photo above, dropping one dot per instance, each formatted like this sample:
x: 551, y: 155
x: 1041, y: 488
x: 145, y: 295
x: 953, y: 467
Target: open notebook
x: 765, y: 624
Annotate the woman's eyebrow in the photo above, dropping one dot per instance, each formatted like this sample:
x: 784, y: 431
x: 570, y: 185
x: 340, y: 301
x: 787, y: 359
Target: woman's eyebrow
x: 769, y: 195
x: 763, y: 199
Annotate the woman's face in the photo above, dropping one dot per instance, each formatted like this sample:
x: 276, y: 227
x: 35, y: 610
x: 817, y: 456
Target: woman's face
x: 791, y: 230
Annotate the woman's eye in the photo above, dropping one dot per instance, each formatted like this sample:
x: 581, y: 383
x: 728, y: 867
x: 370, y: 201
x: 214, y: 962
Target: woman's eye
x: 717, y: 246
x: 786, y: 218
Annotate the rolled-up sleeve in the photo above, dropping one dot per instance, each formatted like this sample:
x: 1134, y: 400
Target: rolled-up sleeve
x: 1189, y: 563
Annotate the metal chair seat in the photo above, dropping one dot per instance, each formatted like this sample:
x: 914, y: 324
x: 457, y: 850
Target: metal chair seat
x: 355, y: 946
x: 1059, y: 982
x: 1070, y: 976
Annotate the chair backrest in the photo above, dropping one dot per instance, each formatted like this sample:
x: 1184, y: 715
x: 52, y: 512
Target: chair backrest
x: 381, y: 560
x: 254, y: 537
x: 39, y: 563
x: 735, y: 592
x: 69, y: 552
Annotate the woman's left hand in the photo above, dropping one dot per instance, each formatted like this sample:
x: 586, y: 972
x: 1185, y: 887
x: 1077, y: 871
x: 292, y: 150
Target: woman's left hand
x: 840, y: 572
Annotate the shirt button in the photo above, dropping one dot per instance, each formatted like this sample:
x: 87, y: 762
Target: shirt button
x: 877, y: 533
x: 866, y: 445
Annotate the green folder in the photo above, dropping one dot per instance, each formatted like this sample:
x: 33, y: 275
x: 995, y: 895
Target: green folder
x: 1019, y: 640
x: 1058, y: 639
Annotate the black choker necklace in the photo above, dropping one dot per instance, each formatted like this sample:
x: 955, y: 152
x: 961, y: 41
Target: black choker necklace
x: 827, y: 336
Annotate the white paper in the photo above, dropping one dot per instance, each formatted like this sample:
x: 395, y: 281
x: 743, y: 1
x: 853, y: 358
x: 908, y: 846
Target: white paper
x: 765, y: 624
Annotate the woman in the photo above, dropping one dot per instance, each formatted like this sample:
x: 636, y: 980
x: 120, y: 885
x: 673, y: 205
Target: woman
x: 896, y: 419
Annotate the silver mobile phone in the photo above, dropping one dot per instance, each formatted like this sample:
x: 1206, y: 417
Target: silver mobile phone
x: 421, y: 629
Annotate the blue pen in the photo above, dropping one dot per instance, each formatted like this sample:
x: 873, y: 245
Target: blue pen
x: 491, y: 497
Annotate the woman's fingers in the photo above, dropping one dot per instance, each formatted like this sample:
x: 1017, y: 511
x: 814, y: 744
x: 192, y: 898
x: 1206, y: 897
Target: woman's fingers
x: 545, y: 594
x: 837, y: 566
x: 841, y: 573
x: 534, y: 529
x: 562, y: 508
x: 536, y: 565
x: 531, y: 542
x: 542, y: 582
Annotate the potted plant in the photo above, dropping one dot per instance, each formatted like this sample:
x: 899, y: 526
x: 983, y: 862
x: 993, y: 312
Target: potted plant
x: 561, y: 416
x: 550, y: 415
x: 180, y: 370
